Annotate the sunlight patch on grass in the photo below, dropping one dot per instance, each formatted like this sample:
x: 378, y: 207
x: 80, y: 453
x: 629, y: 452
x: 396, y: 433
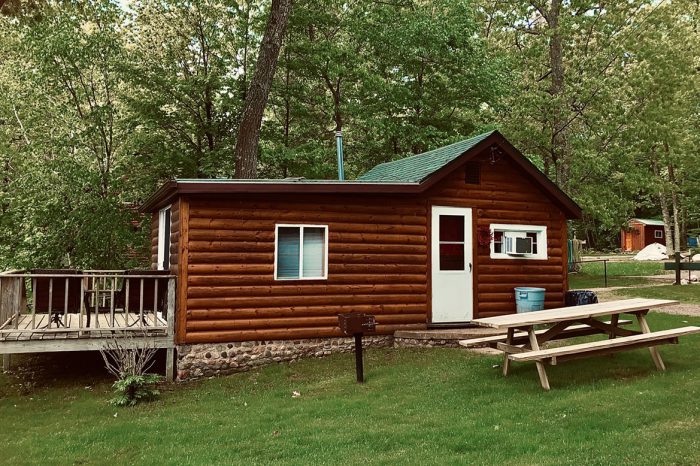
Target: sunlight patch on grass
x: 683, y: 293
x: 418, y: 406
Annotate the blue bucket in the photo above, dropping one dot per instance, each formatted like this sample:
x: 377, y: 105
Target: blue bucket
x: 528, y: 299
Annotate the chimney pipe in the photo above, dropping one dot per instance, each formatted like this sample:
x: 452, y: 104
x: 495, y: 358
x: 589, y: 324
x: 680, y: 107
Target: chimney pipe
x: 339, y: 149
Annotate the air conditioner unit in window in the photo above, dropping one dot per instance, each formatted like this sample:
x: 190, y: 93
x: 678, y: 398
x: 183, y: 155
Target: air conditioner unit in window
x: 517, y: 243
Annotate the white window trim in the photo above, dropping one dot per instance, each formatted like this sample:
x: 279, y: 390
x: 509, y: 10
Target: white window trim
x: 541, y: 241
x: 301, y: 227
x: 658, y: 234
x: 161, y: 234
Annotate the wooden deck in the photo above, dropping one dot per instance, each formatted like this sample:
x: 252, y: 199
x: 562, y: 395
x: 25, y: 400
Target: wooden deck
x: 70, y: 327
x: 42, y: 338
x: 86, y: 314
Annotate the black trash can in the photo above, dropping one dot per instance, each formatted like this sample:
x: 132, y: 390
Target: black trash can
x: 580, y: 297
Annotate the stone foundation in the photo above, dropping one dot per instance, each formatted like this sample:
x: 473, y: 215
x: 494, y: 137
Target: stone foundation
x: 208, y: 360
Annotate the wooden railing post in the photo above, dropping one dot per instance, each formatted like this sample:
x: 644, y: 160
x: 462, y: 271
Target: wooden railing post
x: 34, y: 303
x: 11, y: 300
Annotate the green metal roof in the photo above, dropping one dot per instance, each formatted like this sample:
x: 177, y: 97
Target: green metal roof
x: 649, y: 221
x: 417, y: 168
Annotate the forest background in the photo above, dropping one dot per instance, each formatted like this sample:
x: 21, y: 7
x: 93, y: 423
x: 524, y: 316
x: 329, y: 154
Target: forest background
x: 102, y: 101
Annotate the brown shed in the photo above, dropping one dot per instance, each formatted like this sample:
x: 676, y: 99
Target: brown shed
x: 438, y: 238
x: 640, y: 233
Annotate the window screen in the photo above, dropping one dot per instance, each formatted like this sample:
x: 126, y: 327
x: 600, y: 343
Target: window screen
x: 288, y: 249
x: 314, y: 259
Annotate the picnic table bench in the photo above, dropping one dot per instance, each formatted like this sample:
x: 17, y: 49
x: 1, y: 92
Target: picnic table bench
x: 523, y: 341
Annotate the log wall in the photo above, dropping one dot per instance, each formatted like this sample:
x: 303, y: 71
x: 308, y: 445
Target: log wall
x: 379, y: 258
x: 376, y: 263
x: 506, y: 195
x: 154, y: 240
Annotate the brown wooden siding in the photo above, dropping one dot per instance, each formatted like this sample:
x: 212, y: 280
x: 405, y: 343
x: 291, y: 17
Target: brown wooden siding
x: 174, y: 236
x: 376, y: 260
x: 649, y: 237
x: 154, y: 240
x: 379, y: 258
x: 506, y: 195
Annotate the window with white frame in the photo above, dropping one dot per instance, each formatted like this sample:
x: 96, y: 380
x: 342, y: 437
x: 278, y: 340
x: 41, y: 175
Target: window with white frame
x: 301, y: 252
x: 164, y: 239
x: 518, y: 241
x: 658, y: 234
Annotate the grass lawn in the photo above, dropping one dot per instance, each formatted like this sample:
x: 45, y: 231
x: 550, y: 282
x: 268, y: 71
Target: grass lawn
x: 419, y: 406
x: 684, y: 293
x: 620, y: 273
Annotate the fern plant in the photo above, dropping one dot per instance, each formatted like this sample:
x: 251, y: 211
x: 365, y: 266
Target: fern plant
x: 134, y: 389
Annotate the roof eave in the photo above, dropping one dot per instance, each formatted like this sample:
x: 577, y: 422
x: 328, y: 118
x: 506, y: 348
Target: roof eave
x: 160, y: 197
x: 172, y: 189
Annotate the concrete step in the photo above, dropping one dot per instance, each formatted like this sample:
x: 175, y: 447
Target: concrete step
x: 462, y: 333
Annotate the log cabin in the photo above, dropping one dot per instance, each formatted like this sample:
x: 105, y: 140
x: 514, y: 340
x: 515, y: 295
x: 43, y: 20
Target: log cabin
x: 435, y: 239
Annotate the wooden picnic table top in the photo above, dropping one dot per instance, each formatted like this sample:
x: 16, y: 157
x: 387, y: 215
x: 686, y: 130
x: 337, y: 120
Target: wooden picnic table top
x: 562, y: 314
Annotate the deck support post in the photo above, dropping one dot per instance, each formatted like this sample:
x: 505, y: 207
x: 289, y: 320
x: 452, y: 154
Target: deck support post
x: 170, y: 352
x: 6, y: 358
x: 170, y: 364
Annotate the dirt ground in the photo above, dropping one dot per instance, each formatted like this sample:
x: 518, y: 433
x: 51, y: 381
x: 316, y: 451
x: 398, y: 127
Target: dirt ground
x: 605, y: 294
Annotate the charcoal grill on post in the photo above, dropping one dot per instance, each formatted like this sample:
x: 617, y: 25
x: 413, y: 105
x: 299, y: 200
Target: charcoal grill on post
x: 357, y: 324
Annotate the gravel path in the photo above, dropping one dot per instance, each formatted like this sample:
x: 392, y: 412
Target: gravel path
x: 605, y: 294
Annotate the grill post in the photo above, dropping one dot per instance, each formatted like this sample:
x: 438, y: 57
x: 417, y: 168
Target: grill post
x: 359, y: 369
x: 356, y: 324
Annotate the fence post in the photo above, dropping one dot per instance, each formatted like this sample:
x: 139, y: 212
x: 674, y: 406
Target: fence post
x: 605, y: 271
x: 678, y: 268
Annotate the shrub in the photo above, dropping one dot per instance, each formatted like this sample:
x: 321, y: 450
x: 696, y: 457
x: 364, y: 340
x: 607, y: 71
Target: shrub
x: 129, y: 360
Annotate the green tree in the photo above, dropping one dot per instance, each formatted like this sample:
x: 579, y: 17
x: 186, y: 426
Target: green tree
x: 65, y: 168
x: 188, y: 65
x: 396, y: 78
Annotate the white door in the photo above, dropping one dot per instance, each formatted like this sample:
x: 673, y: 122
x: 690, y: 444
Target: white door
x: 452, y: 284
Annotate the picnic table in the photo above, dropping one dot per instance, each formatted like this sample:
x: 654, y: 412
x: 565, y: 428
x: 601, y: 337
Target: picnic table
x: 527, y: 332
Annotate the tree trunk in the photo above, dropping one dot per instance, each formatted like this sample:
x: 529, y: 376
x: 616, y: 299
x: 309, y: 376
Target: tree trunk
x: 246, y: 152
x: 676, y: 209
x: 684, y: 226
x: 287, y: 107
x: 556, y: 60
x: 668, y: 231
x: 663, y: 200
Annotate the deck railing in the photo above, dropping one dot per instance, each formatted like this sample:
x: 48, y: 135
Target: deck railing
x: 85, y: 302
